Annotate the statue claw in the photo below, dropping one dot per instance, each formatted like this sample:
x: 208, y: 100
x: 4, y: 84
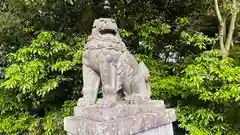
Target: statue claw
x: 134, y: 99
x: 84, y: 102
x: 106, y: 103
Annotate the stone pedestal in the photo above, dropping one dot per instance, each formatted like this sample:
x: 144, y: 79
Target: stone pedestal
x: 148, y: 118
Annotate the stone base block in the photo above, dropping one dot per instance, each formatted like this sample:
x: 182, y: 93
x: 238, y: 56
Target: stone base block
x: 161, y: 130
x: 125, y: 119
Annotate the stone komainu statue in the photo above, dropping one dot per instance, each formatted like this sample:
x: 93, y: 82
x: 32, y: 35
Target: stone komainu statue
x: 106, y: 60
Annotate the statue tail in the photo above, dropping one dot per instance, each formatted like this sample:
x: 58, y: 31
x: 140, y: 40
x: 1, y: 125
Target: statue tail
x: 146, y: 74
x: 144, y: 69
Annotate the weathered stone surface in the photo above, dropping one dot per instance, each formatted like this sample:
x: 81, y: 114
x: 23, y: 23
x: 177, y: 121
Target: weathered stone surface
x: 124, y: 119
x: 162, y: 130
x: 106, y: 60
x: 119, y: 111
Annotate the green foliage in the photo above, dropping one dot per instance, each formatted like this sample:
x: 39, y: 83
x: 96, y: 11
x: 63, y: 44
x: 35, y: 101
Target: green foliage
x: 197, y: 39
x: 33, y: 82
x: 53, y: 121
x: 199, y: 121
x: 213, y: 79
x: 33, y: 65
x: 147, y: 35
x: 23, y: 123
x: 17, y: 124
x: 209, y: 90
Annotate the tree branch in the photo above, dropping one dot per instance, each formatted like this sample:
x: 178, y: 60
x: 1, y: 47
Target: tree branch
x: 221, y: 37
x: 222, y: 26
x: 232, y: 25
x: 218, y: 11
x: 224, y: 19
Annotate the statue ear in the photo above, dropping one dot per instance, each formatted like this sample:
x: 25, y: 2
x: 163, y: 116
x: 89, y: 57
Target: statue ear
x: 95, y: 23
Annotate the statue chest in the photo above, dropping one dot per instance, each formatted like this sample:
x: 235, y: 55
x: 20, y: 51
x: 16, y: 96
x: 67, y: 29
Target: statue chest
x: 98, y: 44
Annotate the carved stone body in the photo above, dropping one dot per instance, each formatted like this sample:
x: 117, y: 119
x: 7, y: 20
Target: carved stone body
x: 106, y: 60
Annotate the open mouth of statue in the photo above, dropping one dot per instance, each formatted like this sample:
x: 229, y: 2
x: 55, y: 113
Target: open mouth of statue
x: 108, y: 31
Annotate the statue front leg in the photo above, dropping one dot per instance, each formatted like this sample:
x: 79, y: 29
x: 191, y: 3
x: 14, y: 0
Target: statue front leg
x: 91, y: 81
x: 108, y: 73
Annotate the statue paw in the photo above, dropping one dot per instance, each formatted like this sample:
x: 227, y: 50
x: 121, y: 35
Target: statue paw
x: 106, y: 103
x: 134, y: 99
x: 84, y: 102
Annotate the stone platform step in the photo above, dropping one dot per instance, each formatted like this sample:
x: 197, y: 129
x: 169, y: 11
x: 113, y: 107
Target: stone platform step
x: 124, y: 119
x: 120, y: 111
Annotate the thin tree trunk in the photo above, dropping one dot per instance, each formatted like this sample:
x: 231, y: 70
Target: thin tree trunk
x: 232, y: 25
x: 221, y: 39
x: 222, y: 25
x: 225, y: 23
x: 226, y: 40
x: 218, y: 11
